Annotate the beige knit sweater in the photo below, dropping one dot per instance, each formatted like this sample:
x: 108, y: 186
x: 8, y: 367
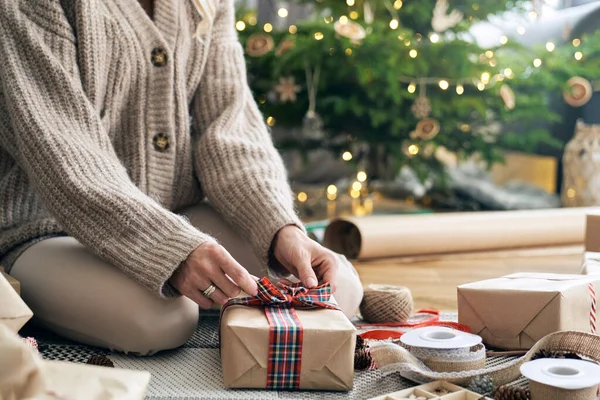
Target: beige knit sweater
x: 111, y: 121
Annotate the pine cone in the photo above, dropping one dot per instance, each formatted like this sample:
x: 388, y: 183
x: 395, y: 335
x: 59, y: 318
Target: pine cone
x: 360, y: 342
x: 100, y: 360
x: 362, y: 359
x: 483, y: 384
x: 511, y: 393
x: 554, y: 354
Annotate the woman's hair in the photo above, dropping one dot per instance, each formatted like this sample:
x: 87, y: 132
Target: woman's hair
x: 207, y: 10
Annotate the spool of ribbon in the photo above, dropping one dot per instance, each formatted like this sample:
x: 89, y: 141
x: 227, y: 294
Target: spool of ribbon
x: 284, y: 361
x: 422, y: 318
x: 558, y: 379
x: 444, y: 349
x: 451, y: 360
x: 389, y: 357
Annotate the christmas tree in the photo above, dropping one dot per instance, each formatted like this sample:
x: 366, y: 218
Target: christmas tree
x: 387, y: 84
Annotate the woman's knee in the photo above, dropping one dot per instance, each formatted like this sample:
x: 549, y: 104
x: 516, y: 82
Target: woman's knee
x: 90, y: 301
x: 349, y: 292
x: 148, y: 332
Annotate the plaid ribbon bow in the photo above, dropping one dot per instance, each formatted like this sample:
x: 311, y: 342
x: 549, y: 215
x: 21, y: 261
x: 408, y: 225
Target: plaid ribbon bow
x: 285, y: 329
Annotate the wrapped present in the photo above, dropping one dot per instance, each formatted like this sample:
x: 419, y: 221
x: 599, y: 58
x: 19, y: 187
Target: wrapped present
x: 12, y: 281
x: 25, y: 375
x: 287, y: 338
x: 14, y: 313
x: 591, y: 255
x: 515, y: 311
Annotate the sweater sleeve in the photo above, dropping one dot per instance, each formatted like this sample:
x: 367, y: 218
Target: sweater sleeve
x: 240, y: 170
x: 54, y: 133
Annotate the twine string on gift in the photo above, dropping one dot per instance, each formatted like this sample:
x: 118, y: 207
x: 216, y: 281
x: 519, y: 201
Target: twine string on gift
x: 593, y: 307
x: 286, y: 334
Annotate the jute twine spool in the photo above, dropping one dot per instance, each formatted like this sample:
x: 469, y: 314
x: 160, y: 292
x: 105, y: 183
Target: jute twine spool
x: 539, y: 391
x: 383, y: 303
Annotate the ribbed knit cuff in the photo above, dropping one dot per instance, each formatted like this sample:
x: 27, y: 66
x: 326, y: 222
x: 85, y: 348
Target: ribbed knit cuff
x: 151, y: 256
x: 264, y: 239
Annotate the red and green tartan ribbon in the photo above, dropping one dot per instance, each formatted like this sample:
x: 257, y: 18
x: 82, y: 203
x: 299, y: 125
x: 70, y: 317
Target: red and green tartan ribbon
x: 286, y: 334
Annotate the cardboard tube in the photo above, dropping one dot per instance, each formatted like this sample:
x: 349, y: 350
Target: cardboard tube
x: 408, y: 235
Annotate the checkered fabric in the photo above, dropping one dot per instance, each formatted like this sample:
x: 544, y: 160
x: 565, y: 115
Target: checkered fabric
x: 285, y: 329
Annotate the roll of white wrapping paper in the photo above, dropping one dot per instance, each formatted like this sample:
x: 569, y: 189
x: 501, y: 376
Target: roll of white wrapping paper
x: 559, y: 379
x: 418, y: 234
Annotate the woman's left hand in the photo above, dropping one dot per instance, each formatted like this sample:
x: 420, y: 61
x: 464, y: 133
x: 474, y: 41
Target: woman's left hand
x: 306, y: 259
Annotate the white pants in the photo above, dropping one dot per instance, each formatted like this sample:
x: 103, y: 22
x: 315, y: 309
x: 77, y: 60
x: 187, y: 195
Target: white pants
x: 81, y: 297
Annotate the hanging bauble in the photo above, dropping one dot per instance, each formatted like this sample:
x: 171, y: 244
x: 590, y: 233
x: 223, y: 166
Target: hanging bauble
x: 507, y: 96
x: 442, y: 20
x: 428, y: 128
x: 350, y: 29
x: 312, y: 126
x: 287, y: 89
x: 579, y: 91
x: 259, y: 44
x: 421, y: 108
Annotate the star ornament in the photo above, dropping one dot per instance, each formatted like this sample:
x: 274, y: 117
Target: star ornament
x: 443, y: 20
x: 287, y: 89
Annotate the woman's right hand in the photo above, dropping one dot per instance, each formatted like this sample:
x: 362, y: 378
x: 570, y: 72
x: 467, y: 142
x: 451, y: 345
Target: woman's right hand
x: 210, y: 264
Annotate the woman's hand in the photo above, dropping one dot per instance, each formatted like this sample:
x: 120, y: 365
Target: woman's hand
x: 306, y: 259
x: 210, y: 264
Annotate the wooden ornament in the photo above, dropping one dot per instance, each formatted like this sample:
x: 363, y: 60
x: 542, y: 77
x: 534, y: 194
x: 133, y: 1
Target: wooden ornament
x: 579, y: 91
x: 428, y: 128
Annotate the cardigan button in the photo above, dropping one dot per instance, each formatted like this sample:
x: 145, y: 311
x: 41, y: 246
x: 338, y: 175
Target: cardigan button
x: 161, y: 142
x: 159, y: 57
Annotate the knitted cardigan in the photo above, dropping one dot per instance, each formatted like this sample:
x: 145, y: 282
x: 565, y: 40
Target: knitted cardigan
x: 111, y: 121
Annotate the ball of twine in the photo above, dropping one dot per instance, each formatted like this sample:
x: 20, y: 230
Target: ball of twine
x: 383, y: 303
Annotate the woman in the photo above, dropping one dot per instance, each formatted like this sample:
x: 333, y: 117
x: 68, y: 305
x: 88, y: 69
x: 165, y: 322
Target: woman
x: 105, y: 183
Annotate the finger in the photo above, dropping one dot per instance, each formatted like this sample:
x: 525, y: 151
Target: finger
x: 306, y: 272
x: 329, y: 271
x: 227, y: 286
x: 239, y: 275
x: 200, y: 299
x: 218, y: 297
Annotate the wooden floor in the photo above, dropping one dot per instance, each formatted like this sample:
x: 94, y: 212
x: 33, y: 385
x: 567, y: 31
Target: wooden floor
x: 433, y: 280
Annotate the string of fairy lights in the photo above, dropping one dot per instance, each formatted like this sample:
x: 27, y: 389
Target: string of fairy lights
x: 359, y: 188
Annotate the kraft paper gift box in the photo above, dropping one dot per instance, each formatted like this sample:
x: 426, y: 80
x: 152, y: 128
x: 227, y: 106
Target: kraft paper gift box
x: 591, y: 255
x: 12, y: 281
x: 14, y: 313
x: 327, y: 357
x: 515, y: 311
x: 25, y: 375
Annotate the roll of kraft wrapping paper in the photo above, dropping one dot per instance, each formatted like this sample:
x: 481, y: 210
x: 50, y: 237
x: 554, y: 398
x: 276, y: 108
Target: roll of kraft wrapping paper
x: 381, y: 236
x: 558, y: 379
x: 445, y: 350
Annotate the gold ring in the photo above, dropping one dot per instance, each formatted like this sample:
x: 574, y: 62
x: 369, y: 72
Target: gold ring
x: 209, y: 291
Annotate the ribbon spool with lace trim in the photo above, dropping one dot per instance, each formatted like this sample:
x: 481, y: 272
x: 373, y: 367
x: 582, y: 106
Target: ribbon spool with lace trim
x: 383, y: 303
x: 444, y: 349
x: 452, y: 360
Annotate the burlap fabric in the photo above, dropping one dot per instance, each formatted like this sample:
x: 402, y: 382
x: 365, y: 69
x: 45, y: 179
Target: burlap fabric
x: 452, y: 360
x: 382, y: 303
x: 390, y: 357
x: 544, y: 392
